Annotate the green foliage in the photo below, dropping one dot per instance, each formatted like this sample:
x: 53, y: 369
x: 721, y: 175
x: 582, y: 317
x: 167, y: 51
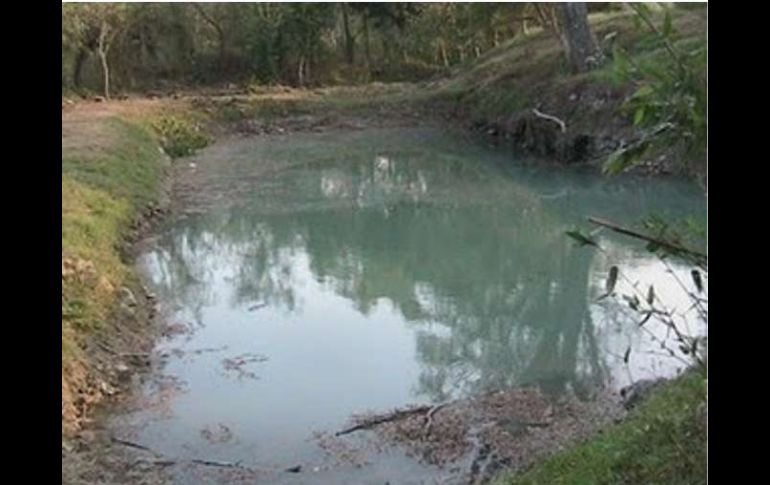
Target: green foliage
x: 180, y: 137
x: 669, y: 102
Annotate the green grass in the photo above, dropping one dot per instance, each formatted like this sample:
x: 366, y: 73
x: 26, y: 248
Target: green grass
x: 125, y: 163
x: 103, y: 189
x: 111, y: 170
x: 662, y: 442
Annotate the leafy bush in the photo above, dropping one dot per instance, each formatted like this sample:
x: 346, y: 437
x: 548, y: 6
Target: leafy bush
x: 180, y: 137
x: 669, y: 103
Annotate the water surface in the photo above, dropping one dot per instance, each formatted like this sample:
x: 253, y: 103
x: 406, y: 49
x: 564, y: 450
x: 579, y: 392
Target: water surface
x: 385, y: 267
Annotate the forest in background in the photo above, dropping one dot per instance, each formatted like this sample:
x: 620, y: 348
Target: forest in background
x: 134, y: 47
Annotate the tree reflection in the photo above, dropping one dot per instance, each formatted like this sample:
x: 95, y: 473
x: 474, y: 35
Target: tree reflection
x: 490, y: 306
x: 478, y: 265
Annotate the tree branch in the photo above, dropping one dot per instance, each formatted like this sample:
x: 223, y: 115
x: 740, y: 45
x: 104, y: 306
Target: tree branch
x: 210, y: 20
x: 540, y: 114
x: 630, y: 232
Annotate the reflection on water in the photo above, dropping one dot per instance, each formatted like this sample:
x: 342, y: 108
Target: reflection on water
x: 422, y: 272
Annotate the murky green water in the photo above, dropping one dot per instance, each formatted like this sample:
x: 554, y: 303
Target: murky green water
x: 381, y: 268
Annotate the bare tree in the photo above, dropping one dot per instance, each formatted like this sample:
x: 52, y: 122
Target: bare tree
x: 106, y: 36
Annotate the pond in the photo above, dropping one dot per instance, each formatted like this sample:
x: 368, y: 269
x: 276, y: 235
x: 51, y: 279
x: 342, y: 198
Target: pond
x: 371, y: 269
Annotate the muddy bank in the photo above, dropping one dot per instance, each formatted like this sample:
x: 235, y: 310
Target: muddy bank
x: 115, y: 357
x: 580, y: 124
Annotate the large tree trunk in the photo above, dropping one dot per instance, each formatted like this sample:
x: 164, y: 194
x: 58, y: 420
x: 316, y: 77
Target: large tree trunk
x: 579, y: 42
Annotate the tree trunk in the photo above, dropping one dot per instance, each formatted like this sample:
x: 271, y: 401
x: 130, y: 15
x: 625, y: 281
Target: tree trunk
x: 367, y: 51
x: 444, y: 55
x: 77, y: 72
x: 300, y: 76
x: 222, y: 51
x: 579, y: 42
x: 349, y: 40
x: 103, y: 48
x: 386, y: 48
x: 106, y: 73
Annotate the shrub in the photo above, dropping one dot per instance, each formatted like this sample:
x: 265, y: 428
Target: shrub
x: 180, y: 137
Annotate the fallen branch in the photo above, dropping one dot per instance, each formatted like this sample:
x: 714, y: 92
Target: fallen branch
x: 221, y: 464
x: 163, y: 461
x: 131, y: 444
x: 630, y: 232
x: 157, y: 462
x: 376, y: 420
x: 429, y: 419
x: 561, y: 123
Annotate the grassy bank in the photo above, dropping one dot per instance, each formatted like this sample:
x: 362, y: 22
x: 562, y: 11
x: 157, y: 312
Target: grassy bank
x: 528, y: 69
x: 498, y: 91
x: 663, y: 441
x: 111, y: 171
